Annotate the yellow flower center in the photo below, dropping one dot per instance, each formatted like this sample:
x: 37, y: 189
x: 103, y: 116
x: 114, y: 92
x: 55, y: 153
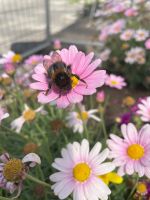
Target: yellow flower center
x: 81, y: 172
x: 12, y: 170
x: 29, y: 115
x: 74, y: 81
x: 16, y: 58
x: 135, y: 151
x: 128, y: 101
x: 83, y: 115
x: 114, y: 82
x: 141, y: 188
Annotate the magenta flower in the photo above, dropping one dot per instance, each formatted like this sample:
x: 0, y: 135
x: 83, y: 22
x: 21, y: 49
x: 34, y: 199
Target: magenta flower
x: 114, y: 81
x: 66, y: 76
x: 131, y: 153
x: 144, y: 109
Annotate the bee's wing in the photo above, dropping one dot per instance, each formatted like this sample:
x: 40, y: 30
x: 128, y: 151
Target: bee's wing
x: 49, y: 60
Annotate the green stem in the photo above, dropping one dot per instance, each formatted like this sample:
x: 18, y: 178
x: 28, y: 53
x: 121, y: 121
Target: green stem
x: 8, y: 129
x: 103, y: 125
x: 133, y: 189
x: 86, y: 131
x: 36, y: 180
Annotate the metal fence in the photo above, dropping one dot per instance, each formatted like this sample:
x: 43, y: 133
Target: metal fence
x: 32, y: 22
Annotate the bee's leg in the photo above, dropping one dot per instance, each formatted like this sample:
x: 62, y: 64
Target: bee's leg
x: 49, y: 87
x: 83, y: 81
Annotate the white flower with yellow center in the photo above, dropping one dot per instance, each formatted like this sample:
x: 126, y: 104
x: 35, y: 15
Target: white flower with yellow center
x: 79, y: 171
x: 76, y: 120
x: 131, y: 153
x: 13, y: 171
x: 141, y: 35
x: 127, y: 35
x: 28, y: 115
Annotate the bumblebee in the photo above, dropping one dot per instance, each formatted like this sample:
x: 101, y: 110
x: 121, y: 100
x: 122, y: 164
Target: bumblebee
x: 59, y: 75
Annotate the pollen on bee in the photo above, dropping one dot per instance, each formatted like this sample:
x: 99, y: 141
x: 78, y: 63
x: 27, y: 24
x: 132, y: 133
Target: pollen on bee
x: 74, y: 81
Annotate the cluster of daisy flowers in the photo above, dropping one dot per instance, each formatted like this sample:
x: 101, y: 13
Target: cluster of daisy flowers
x: 63, y: 78
x: 135, y: 55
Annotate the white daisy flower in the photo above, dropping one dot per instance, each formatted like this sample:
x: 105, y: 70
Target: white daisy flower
x: 27, y: 116
x: 79, y: 171
x: 141, y: 35
x: 76, y: 120
x: 127, y: 35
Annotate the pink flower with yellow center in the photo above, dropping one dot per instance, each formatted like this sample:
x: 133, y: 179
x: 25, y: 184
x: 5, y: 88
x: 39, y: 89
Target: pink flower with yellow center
x: 79, y: 171
x: 117, y: 26
x: 34, y: 60
x: 131, y: 153
x: 66, y: 76
x: 144, y: 109
x: 114, y: 81
x: 10, y: 57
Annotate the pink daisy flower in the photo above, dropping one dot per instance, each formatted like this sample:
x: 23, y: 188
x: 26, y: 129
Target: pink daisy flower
x: 130, y: 12
x: 144, y: 109
x: 66, y: 76
x: 34, y: 60
x: 114, y: 81
x: 131, y: 153
x: 79, y: 171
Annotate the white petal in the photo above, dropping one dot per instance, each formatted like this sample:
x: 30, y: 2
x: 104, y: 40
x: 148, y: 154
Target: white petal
x: 17, y: 124
x: 39, y: 109
x: 33, y: 158
x: 95, y: 150
x: 104, y: 168
x: 84, y: 150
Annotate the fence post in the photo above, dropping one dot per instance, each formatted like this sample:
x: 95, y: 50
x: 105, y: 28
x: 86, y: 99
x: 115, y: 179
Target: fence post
x: 47, y: 19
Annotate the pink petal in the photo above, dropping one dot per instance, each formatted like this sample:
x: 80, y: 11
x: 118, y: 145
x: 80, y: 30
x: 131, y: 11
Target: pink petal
x: 90, y: 68
x: 39, y: 69
x: 39, y: 86
x: 42, y: 98
x: 40, y: 77
x: 74, y: 97
x: 63, y: 102
x: 96, y: 79
x: 78, y: 62
x: 72, y: 52
x: 83, y: 90
x: 88, y: 59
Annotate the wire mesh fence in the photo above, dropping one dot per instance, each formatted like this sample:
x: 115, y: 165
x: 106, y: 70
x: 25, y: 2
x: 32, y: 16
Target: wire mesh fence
x: 27, y: 21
